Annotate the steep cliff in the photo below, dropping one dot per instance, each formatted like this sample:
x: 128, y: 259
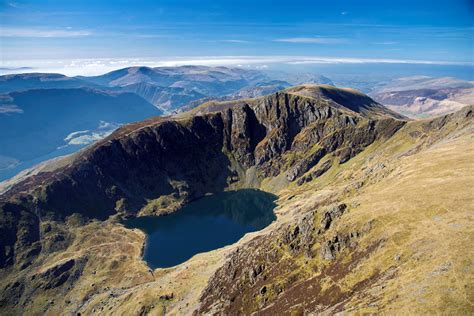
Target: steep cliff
x: 381, y: 236
x: 157, y: 165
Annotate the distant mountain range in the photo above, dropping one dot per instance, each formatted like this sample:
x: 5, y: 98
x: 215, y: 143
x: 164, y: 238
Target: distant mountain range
x: 53, y: 114
x: 169, y: 88
x: 20, y: 82
x: 40, y: 122
x: 43, y: 115
x: 422, y: 96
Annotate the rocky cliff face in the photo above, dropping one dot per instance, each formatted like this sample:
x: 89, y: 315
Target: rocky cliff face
x: 287, y: 139
x: 157, y: 166
x: 321, y: 260
x: 248, y: 134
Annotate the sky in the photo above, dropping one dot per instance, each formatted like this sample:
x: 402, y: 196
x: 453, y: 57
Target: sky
x: 117, y: 33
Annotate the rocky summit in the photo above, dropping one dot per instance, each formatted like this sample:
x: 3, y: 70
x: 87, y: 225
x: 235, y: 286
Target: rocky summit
x: 373, y: 213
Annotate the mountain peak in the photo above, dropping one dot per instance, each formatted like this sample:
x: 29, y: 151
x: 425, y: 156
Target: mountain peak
x: 314, y: 90
x: 343, y: 99
x: 347, y: 98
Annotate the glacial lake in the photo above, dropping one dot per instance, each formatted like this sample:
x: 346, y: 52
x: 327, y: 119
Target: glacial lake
x: 206, y: 224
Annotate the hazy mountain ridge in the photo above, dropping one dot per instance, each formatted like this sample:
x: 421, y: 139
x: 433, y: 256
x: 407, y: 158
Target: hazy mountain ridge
x: 21, y: 82
x: 39, y: 121
x: 167, y: 89
x: 178, y: 85
x: 424, y: 82
x: 178, y: 89
x: 422, y: 96
x: 167, y: 98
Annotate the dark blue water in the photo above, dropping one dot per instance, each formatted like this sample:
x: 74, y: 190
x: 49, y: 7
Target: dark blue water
x: 209, y: 223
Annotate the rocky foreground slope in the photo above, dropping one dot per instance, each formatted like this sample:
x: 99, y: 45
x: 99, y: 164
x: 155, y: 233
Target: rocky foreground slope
x: 374, y: 213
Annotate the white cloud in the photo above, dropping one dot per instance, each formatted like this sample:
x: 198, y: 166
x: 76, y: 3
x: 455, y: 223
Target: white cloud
x: 103, y: 65
x: 331, y: 60
x: 10, y: 108
x: 86, y: 137
x: 385, y: 43
x: 311, y: 40
x: 235, y: 41
x: 103, y: 125
x: 43, y: 32
x: 143, y: 35
x: 75, y: 134
x: 8, y: 162
x: 13, y: 4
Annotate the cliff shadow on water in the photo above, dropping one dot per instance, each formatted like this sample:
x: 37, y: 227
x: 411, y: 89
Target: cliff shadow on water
x: 203, y: 225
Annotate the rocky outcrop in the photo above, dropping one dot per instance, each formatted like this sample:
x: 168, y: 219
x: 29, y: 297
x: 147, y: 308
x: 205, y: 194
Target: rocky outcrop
x: 59, y: 274
x: 325, y: 166
x: 337, y: 244
x: 331, y: 214
x: 58, y: 277
x: 274, y: 272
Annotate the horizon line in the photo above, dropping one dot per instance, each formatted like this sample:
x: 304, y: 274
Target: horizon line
x: 97, y: 66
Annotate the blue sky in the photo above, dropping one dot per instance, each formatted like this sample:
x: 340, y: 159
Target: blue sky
x: 341, y: 30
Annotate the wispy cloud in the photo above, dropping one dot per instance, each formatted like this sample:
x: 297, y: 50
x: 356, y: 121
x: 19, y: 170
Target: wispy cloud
x: 344, y: 13
x: 100, y: 66
x: 43, y: 32
x: 385, y: 43
x: 10, y: 108
x: 142, y: 35
x: 348, y: 60
x: 89, y: 136
x: 311, y: 40
x: 13, y: 4
x: 236, y: 41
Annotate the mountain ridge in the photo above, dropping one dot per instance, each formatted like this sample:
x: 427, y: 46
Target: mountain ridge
x: 169, y: 88
x: 316, y: 154
x: 20, y: 82
x: 41, y: 123
x: 277, y: 111
x: 423, y: 96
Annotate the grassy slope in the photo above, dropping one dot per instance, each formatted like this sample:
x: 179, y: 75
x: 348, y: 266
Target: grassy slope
x: 422, y: 208
x: 424, y: 212
x: 415, y: 190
